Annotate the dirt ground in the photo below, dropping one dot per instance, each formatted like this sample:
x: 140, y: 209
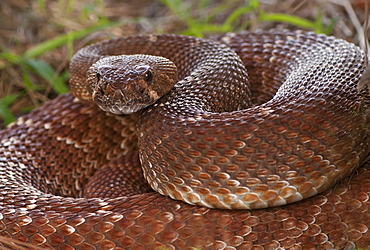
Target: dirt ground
x: 27, y: 23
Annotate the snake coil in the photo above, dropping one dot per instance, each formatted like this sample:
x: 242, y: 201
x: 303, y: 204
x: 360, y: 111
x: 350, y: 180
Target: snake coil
x: 255, y: 121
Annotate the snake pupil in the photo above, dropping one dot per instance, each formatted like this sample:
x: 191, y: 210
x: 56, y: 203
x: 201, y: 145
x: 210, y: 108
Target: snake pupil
x: 148, y: 77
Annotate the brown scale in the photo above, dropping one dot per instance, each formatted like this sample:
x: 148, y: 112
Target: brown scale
x: 47, y: 157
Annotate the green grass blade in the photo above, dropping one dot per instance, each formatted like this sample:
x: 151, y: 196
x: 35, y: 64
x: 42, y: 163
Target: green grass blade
x: 320, y: 27
x: 63, y: 39
x: 235, y: 15
x: 284, y: 18
x: 47, y: 72
x: 10, y: 57
x: 27, y: 79
x: 5, y: 112
x: 328, y: 29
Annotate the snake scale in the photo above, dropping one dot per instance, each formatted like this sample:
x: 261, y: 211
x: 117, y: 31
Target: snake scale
x: 254, y: 121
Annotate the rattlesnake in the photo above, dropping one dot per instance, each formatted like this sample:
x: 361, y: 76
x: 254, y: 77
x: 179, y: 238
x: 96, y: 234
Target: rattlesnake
x: 282, y: 122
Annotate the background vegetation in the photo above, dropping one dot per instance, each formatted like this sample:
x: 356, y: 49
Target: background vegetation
x: 38, y: 37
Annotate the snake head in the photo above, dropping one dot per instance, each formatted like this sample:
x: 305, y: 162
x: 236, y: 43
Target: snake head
x: 127, y: 83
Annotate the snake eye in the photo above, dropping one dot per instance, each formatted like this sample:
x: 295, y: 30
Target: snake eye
x: 148, y: 77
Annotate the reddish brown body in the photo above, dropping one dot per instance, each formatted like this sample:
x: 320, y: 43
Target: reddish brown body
x: 316, y: 124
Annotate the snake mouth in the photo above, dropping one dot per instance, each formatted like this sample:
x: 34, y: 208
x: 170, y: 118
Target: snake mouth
x: 118, y: 107
x: 115, y: 101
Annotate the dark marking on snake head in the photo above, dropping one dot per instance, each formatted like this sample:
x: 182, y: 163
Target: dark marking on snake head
x: 98, y: 77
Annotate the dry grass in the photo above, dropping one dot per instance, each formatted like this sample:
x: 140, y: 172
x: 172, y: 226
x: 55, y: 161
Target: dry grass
x: 26, y: 24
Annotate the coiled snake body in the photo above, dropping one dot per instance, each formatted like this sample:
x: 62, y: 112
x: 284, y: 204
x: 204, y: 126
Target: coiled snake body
x: 209, y: 141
